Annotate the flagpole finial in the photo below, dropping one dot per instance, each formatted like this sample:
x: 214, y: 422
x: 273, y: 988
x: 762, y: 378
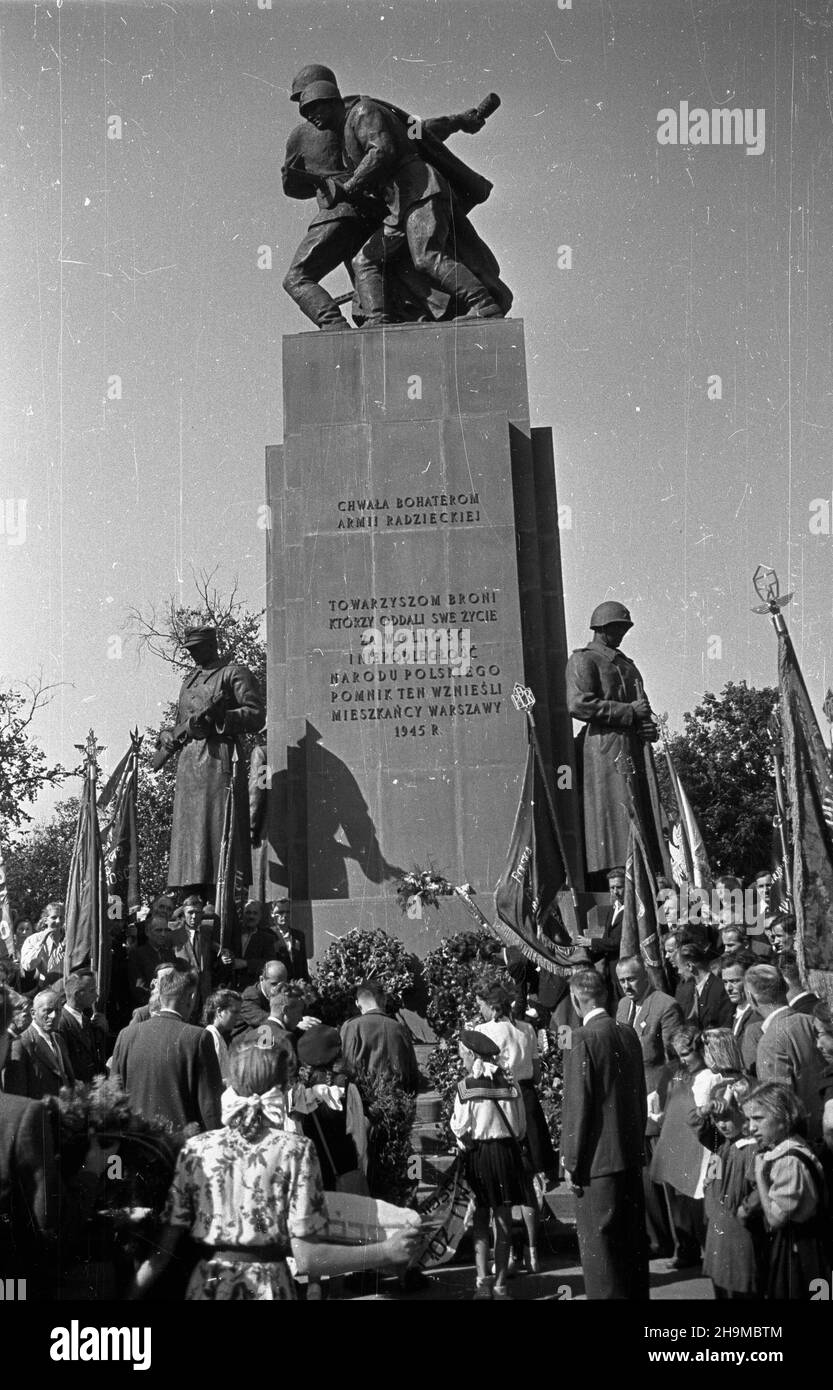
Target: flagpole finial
x: 767, y: 587
x: 90, y: 751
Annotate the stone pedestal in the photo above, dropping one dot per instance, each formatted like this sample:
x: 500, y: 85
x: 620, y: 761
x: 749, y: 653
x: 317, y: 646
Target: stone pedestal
x: 413, y: 577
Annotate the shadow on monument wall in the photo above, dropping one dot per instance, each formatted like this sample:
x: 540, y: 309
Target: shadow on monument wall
x: 321, y: 822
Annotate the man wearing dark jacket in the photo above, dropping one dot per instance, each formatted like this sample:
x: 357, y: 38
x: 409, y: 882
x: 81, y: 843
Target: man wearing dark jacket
x: 655, y: 1018
x: 29, y: 1182
x: 289, y: 944
x: 81, y: 1030
x: 255, y: 999
x: 377, y: 1044
x: 145, y: 960
x: 168, y: 1067
x: 39, y: 1064
x: 700, y: 994
x: 746, y: 1022
x: 603, y: 1128
x: 255, y: 945
x: 800, y: 999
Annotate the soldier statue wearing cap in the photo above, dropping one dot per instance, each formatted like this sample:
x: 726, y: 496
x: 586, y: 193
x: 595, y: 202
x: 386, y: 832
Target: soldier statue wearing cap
x: 219, y: 700
x: 423, y: 217
x: 605, y: 692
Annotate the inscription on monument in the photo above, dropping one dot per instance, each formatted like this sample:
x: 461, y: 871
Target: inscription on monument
x: 416, y: 661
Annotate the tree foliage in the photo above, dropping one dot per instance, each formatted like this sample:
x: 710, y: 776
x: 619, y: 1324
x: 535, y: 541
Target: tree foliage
x: 724, y: 762
x: 24, y: 771
x: 240, y: 636
x: 37, y: 861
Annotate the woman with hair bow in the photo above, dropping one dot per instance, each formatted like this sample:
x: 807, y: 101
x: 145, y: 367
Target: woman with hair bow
x: 251, y: 1194
x: 489, y: 1121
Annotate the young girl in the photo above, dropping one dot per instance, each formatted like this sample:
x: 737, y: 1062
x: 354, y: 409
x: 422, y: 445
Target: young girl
x: 791, y: 1186
x: 733, y: 1253
x: 519, y: 1060
x: 489, y: 1123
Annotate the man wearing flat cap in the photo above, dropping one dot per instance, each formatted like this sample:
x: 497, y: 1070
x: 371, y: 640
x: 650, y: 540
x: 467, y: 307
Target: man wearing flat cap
x: 605, y: 692
x: 219, y: 701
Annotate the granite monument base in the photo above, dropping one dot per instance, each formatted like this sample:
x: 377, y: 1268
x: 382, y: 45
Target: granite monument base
x: 413, y: 577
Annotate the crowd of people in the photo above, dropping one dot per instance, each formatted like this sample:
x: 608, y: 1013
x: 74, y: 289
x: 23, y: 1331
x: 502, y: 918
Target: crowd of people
x: 697, y: 1122
x: 730, y: 1166
x: 220, y: 1045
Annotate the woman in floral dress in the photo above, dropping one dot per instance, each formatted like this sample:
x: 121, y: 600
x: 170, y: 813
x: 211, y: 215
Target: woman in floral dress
x: 251, y: 1194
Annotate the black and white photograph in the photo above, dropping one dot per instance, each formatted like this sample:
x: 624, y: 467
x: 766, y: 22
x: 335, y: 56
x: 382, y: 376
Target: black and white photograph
x: 462, y: 368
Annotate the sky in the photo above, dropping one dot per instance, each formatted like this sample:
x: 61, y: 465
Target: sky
x: 140, y: 344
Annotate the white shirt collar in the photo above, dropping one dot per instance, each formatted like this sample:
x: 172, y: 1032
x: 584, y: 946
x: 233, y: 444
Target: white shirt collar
x: 802, y: 994
x: 172, y: 1012
x: 79, y: 1017
x: 592, y: 1014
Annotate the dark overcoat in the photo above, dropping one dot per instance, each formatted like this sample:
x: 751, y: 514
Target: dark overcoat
x: 205, y: 770
x: 602, y: 684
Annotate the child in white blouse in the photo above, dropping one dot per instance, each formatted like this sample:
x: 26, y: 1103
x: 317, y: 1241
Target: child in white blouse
x: 489, y: 1123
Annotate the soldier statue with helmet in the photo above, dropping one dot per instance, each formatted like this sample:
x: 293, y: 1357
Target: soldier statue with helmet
x: 393, y: 205
x: 613, y: 751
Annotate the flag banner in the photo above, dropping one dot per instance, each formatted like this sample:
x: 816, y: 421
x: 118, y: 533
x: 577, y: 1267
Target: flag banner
x: 689, y: 860
x: 87, y: 935
x: 810, y: 792
x: 445, y: 1213
x: 230, y: 886
x: 7, y: 951
x: 780, y: 899
x: 117, y: 806
x: 526, y: 897
x: 640, y: 933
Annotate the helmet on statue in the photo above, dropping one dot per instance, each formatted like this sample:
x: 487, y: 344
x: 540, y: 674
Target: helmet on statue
x: 313, y: 72
x: 318, y: 91
x: 610, y: 612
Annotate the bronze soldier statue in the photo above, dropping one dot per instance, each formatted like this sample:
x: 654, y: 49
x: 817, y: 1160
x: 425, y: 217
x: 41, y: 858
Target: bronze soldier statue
x: 219, y: 701
x: 605, y: 691
x: 427, y: 193
x: 338, y: 230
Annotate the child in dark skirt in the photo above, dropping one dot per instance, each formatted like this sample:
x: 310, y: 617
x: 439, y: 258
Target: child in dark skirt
x: 734, y: 1249
x: 489, y: 1123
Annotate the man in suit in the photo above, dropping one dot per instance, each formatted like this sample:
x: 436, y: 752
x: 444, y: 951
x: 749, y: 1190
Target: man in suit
x: 787, y: 1049
x: 146, y: 1011
x: 655, y: 1018
x: 168, y: 1067
x: 378, y: 1044
x: 39, y: 1063
x: 702, y: 999
x: 286, y: 1009
x: 289, y: 945
x: 200, y: 952
x: 603, y: 1128
x: 29, y: 1182
x: 746, y: 1022
x: 255, y: 999
x: 255, y: 946
x: 145, y: 960
x: 604, y: 933
x: 800, y: 999
x: 84, y: 1033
